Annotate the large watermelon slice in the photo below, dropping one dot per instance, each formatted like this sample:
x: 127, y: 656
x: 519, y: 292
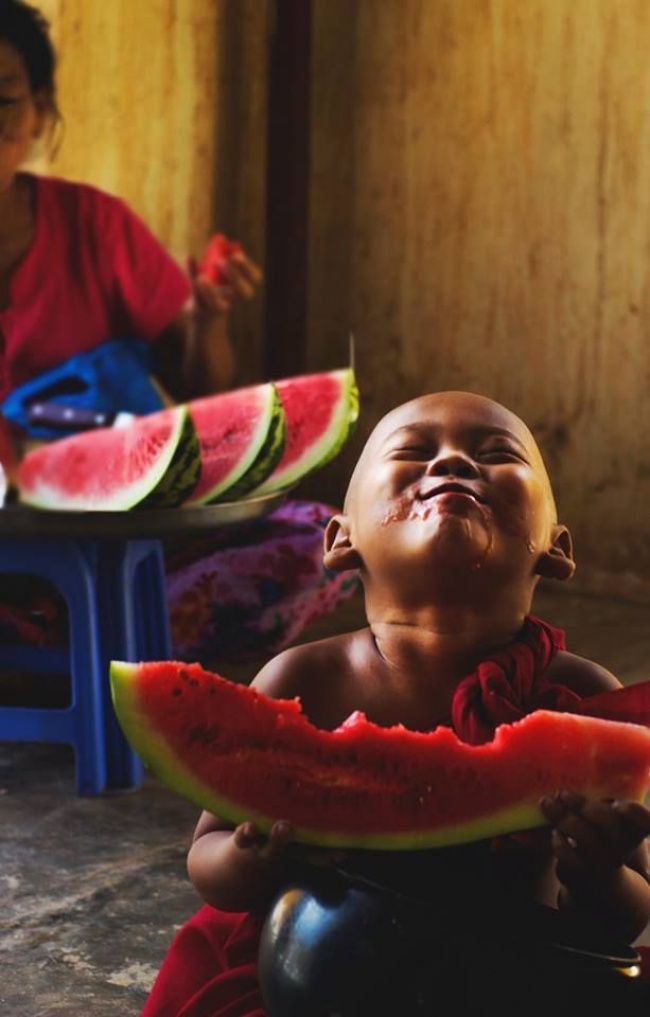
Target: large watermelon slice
x: 153, y: 462
x: 321, y: 411
x: 242, y: 755
x: 241, y: 434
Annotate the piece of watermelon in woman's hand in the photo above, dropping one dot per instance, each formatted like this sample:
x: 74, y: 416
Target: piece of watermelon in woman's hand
x: 214, y: 263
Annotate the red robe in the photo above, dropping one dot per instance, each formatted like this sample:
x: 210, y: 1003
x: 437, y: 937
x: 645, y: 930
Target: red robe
x: 211, y: 967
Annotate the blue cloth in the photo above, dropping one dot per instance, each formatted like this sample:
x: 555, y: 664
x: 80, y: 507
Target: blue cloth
x: 113, y: 377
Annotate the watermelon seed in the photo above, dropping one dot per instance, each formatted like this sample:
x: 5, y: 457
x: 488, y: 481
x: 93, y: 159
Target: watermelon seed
x: 204, y: 735
x: 177, y: 692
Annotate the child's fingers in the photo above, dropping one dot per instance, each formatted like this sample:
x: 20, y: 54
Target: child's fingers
x: 279, y: 837
x: 596, y: 834
x: 247, y: 835
x: 635, y: 816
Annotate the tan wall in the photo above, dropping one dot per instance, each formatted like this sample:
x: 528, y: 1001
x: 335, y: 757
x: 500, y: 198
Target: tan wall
x: 479, y: 204
x: 481, y: 220
x: 164, y: 103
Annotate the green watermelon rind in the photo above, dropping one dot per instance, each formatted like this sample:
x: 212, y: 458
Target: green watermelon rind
x: 260, y: 456
x: 330, y: 442
x: 175, y: 468
x: 267, y: 458
x: 157, y: 757
x: 183, y: 470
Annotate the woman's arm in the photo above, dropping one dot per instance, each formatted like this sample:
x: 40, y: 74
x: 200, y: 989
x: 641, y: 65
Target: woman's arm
x: 194, y: 356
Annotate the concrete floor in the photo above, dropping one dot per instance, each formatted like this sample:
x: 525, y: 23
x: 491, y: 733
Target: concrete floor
x: 94, y: 888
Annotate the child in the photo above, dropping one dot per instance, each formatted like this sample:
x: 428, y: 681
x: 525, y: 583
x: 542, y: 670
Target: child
x: 78, y: 268
x: 450, y: 520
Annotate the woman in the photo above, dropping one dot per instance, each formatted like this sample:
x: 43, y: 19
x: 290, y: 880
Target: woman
x: 77, y: 269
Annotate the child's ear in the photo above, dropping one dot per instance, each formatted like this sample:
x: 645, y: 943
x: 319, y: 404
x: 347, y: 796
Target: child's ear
x: 338, y: 552
x: 557, y: 562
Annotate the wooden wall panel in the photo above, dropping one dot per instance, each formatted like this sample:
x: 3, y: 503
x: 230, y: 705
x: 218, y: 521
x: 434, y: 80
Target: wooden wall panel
x: 165, y: 104
x: 481, y: 166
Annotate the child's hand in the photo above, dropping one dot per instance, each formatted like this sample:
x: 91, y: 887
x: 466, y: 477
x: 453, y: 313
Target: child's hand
x: 279, y: 845
x: 267, y: 848
x: 593, y: 838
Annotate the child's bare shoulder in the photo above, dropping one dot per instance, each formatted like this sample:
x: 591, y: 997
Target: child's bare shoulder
x: 583, y: 676
x: 323, y: 674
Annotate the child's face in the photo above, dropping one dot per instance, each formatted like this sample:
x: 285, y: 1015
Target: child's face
x: 451, y: 479
x: 21, y: 113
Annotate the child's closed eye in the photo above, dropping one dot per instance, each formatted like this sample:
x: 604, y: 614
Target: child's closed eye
x: 500, y: 454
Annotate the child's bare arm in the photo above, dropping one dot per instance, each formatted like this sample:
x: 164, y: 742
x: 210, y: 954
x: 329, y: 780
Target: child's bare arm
x: 241, y: 869
x: 602, y: 859
x: 237, y: 868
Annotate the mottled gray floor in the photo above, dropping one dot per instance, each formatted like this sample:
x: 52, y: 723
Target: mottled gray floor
x: 94, y: 888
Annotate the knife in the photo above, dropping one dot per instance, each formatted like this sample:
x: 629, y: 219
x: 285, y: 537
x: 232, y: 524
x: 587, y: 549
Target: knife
x: 74, y: 418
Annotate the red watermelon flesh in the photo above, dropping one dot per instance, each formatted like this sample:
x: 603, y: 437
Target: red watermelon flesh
x: 153, y: 462
x: 241, y: 437
x: 321, y: 411
x: 214, y: 263
x: 242, y: 755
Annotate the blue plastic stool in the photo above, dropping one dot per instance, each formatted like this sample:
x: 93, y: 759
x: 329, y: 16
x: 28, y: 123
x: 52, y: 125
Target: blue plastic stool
x: 115, y: 594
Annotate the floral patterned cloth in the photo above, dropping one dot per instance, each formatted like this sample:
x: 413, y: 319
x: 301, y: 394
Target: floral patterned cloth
x: 247, y: 593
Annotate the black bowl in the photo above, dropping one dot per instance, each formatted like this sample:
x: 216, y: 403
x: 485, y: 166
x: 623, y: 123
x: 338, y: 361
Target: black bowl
x: 336, y: 944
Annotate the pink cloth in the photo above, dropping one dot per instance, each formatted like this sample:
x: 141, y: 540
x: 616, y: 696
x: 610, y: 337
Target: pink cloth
x: 94, y: 272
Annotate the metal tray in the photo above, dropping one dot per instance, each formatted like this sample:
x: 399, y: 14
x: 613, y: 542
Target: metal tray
x: 23, y: 521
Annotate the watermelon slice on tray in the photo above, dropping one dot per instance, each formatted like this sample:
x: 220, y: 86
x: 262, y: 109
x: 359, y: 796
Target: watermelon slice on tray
x: 321, y: 411
x: 154, y: 462
x: 243, y: 755
x: 241, y: 436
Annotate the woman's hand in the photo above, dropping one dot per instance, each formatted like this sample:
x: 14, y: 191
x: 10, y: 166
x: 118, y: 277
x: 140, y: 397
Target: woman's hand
x: 195, y: 356
x: 214, y: 293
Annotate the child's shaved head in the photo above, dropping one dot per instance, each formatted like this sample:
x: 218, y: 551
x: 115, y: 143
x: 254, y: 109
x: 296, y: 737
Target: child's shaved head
x: 485, y: 412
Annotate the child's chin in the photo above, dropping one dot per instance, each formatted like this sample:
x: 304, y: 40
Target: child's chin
x: 460, y: 540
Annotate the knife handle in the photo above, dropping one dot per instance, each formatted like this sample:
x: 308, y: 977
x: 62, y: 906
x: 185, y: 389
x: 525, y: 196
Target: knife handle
x: 68, y: 418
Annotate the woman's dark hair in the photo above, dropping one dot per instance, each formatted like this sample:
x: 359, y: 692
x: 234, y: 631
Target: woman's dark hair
x: 25, y: 28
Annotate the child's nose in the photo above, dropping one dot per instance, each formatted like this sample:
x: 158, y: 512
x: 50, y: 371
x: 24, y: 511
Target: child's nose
x: 452, y: 463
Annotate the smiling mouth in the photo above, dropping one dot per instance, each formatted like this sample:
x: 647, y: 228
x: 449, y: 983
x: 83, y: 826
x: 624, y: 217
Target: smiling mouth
x: 452, y: 488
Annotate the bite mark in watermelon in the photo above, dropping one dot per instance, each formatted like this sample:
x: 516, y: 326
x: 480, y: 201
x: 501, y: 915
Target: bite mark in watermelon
x: 244, y: 756
x: 152, y: 463
x: 321, y: 411
x: 241, y: 436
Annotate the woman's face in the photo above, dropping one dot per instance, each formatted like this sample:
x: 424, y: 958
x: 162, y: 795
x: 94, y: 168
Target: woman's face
x: 22, y: 113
